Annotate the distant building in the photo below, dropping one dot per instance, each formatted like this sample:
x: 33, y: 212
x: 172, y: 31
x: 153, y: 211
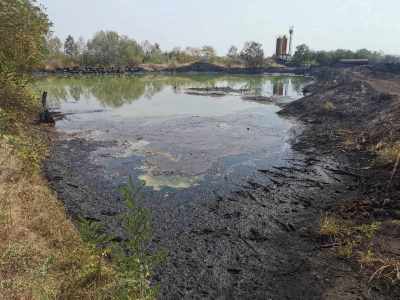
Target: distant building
x: 281, y: 46
x: 284, y: 46
x: 278, y: 51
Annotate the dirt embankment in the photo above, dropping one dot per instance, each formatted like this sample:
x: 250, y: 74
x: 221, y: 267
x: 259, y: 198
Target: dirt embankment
x: 196, y: 67
x: 354, y: 114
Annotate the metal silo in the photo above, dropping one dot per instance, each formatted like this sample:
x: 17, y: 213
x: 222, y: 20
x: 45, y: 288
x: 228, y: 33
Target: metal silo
x: 279, y: 47
x: 284, y: 46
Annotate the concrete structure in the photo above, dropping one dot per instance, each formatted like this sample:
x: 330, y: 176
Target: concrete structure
x: 284, y: 46
x: 283, y: 52
x: 291, y: 31
x: 281, y: 46
x: 278, y: 52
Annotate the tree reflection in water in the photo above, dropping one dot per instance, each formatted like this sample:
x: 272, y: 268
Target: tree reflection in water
x: 114, y: 91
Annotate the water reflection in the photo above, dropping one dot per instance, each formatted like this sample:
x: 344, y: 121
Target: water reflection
x: 157, y: 133
x: 278, y: 89
x: 115, y: 91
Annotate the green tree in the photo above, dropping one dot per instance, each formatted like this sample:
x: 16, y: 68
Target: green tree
x: 53, y: 45
x: 302, y: 56
x: 208, y: 52
x: 81, y: 45
x: 70, y: 47
x: 156, y: 55
x: 131, y: 54
x: 104, y: 48
x: 232, y: 56
x: 193, y: 52
x: 233, y: 52
x: 324, y: 58
x: 253, y: 54
x: 23, y: 28
x: 148, y: 49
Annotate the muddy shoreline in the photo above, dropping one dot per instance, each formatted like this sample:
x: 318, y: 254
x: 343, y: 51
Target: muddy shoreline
x: 197, y: 67
x: 259, y: 242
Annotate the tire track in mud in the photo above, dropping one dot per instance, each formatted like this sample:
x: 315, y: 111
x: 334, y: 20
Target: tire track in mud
x: 256, y: 242
x: 259, y: 242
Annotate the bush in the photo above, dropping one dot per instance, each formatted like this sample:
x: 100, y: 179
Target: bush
x: 131, y: 260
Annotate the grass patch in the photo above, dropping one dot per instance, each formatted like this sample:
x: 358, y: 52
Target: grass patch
x: 329, y: 106
x: 330, y: 227
x: 389, y: 270
x: 346, y: 236
x: 361, y: 243
x: 387, y: 153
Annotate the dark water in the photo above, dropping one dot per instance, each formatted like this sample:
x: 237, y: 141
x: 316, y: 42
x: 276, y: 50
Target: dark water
x: 172, y: 140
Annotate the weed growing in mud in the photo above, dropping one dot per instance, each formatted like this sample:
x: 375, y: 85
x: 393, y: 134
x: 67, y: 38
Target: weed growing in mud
x: 329, y: 106
x: 387, y: 154
x: 132, y: 257
x: 131, y: 260
x: 386, y: 269
x: 346, y: 236
x: 329, y: 227
x: 357, y: 241
x: 390, y: 270
x: 369, y: 230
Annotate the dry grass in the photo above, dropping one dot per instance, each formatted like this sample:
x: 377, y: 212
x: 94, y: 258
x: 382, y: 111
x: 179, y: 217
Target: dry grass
x: 388, y: 153
x: 329, y: 106
x: 41, y: 251
x: 346, y: 236
x: 389, y: 270
x: 42, y: 255
x: 330, y: 226
x: 361, y: 242
x: 338, y: 232
x: 384, y: 268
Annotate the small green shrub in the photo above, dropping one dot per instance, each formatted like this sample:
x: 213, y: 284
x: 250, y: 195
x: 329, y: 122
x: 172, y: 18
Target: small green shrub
x: 131, y: 259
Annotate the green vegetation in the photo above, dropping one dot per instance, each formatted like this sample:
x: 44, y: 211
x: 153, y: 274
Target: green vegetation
x: 346, y: 236
x: 363, y: 243
x: 23, y: 27
x: 42, y: 255
x: 253, y: 54
x: 108, y: 48
x: 304, y: 56
x: 132, y: 264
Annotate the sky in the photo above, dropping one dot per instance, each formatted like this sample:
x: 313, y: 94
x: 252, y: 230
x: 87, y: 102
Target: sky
x: 323, y: 25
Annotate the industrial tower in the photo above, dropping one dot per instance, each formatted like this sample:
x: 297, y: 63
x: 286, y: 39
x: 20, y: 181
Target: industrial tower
x: 291, y: 31
x: 282, y: 52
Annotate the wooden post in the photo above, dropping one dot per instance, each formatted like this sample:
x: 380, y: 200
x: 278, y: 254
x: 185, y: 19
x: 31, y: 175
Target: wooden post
x: 44, y: 100
x: 45, y: 115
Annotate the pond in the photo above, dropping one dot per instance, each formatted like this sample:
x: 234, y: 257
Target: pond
x: 159, y: 132
x: 207, y: 150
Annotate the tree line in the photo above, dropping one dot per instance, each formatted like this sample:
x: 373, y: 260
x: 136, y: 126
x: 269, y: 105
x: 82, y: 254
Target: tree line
x: 304, y: 56
x: 23, y: 27
x: 108, y: 48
